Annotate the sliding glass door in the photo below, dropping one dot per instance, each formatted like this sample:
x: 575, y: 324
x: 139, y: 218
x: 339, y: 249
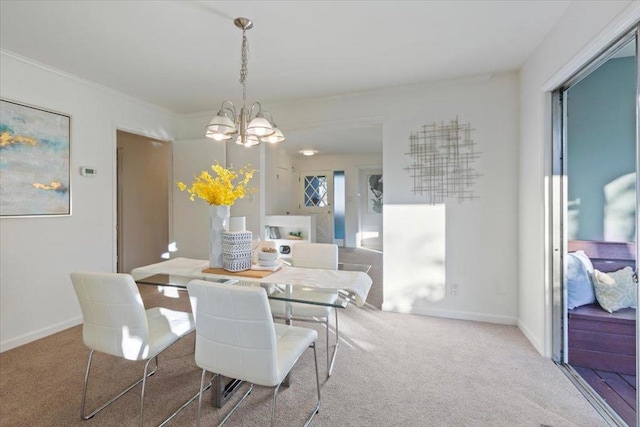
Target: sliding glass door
x: 594, y: 199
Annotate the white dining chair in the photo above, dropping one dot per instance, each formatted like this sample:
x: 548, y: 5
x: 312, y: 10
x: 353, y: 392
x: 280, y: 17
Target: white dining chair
x: 237, y: 338
x: 115, y: 322
x: 313, y: 255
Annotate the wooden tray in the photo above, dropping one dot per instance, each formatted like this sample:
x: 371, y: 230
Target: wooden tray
x: 254, y: 274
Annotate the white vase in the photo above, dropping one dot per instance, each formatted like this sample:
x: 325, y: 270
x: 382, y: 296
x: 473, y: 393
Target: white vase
x: 218, y: 222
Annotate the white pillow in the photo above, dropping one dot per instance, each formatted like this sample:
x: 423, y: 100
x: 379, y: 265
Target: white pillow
x: 616, y: 290
x: 578, y: 280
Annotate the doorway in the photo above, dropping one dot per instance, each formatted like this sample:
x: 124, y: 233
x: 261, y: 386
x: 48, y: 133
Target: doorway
x: 143, y: 168
x: 317, y: 199
x: 595, y: 228
x: 370, y: 209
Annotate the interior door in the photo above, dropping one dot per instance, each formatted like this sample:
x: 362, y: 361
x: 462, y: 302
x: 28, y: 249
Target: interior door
x: 316, y: 198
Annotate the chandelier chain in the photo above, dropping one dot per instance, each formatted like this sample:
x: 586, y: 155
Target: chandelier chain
x: 243, y: 68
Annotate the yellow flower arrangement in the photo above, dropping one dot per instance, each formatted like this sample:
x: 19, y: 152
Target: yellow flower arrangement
x: 221, y: 190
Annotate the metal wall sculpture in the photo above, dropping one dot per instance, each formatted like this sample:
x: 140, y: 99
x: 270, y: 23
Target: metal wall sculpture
x: 442, y: 162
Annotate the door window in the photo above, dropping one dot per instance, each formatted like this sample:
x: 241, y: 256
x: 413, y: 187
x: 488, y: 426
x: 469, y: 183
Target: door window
x: 315, y: 191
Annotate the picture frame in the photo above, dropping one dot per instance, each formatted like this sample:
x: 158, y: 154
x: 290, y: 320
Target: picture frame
x: 374, y: 194
x: 35, y: 161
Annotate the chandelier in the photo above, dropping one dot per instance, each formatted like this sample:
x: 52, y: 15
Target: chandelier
x: 250, y: 124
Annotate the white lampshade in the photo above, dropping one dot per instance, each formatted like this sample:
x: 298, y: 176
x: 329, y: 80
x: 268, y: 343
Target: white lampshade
x: 277, y: 136
x: 220, y: 127
x: 250, y: 140
x: 260, y: 127
x: 218, y: 136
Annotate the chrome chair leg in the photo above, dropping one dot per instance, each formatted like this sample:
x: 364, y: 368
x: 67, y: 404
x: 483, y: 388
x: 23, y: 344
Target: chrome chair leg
x: 86, y: 385
x: 319, y: 402
x: 335, y: 349
x: 200, y: 395
x: 144, y: 384
x: 273, y: 405
x: 188, y: 402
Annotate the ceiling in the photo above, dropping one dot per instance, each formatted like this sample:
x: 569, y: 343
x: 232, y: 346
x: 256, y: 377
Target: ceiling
x: 184, y: 56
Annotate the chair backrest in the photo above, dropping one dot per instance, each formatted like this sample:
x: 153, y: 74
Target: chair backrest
x: 114, y: 317
x: 315, y: 255
x: 235, y: 335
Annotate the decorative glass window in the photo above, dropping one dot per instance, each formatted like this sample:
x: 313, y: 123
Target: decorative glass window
x: 315, y: 191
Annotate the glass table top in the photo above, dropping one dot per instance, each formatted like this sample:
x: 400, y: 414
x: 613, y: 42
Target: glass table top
x: 281, y: 292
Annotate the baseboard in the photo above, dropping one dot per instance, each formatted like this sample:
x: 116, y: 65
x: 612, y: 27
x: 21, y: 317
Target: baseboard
x: 40, y: 333
x: 532, y: 339
x: 452, y: 314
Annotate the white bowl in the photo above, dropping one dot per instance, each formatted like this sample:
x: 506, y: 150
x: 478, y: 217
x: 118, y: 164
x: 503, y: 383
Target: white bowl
x: 265, y: 263
x: 267, y: 256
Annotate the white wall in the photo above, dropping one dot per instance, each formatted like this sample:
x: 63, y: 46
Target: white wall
x: 192, y: 127
x: 349, y: 164
x: 37, y: 254
x: 190, y: 219
x: 480, y: 236
x: 576, y: 30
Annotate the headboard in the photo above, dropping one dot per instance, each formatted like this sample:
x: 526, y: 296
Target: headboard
x: 606, y: 256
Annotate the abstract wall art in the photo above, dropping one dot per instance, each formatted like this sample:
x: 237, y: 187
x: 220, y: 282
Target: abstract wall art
x: 374, y: 196
x: 442, y: 162
x: 34, y: 161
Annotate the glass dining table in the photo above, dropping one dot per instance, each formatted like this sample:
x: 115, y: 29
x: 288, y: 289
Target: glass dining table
x: 224, y: 388
x: 281, y: 292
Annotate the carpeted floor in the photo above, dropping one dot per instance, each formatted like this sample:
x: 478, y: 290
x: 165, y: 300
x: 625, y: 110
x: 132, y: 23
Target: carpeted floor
x: 392, y: 370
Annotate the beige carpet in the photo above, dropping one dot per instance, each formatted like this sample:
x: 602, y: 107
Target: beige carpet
x: 391, y: 370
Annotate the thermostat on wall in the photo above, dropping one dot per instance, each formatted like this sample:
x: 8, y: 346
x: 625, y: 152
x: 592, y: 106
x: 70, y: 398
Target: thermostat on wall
x: 87, y: 171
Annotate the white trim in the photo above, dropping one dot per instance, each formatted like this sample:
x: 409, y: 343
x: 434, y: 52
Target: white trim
x: 40, y: 333
x: 532, y: 338
x: 452, y: 314
x: 616, y: 28
x: 89, y: 83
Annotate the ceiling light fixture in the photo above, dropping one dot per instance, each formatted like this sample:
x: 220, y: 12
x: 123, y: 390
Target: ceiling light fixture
x: 308, y: 152
x: 251, y: 125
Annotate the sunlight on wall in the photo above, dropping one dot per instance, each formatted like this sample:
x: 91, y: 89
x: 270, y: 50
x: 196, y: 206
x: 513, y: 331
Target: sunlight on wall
x: 173, y: 247
x: 418, y: 266
x: 620, y: 209
x: 370, y: 234
x: 573, y: 218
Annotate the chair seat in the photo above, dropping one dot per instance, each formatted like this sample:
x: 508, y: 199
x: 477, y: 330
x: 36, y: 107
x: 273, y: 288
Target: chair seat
x: 278, y: 308
x: 165, y: 326
x: 292, y: 341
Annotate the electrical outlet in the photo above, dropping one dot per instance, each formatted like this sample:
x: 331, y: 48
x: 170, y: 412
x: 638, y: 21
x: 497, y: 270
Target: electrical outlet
x: 453, y: 289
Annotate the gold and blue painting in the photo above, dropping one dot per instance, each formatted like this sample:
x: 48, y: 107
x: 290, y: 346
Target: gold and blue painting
x: 34, y: 161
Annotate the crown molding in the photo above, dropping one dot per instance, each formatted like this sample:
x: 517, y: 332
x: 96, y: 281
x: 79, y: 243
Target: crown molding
x: 88, y: 83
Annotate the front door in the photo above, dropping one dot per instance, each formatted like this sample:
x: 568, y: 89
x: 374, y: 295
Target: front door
x: 316, y: 198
